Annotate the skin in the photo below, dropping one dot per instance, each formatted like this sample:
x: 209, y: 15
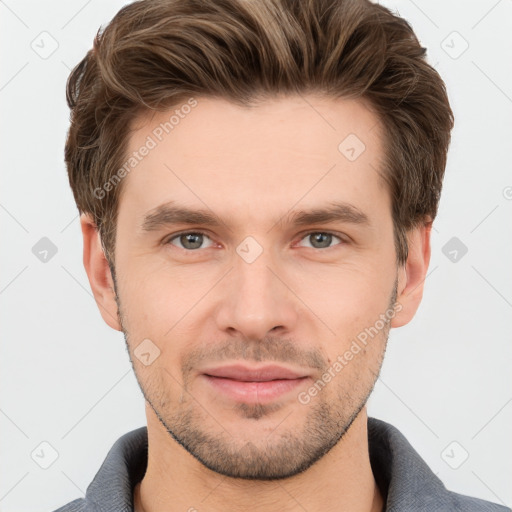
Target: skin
x: 299, y: 303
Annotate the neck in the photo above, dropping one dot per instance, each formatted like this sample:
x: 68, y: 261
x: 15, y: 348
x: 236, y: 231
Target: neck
x: 341, y: 481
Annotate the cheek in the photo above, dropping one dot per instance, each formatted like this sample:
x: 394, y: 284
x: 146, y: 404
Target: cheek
x: 168, y: 308
x: 348, y: 298
x: 155, y: 294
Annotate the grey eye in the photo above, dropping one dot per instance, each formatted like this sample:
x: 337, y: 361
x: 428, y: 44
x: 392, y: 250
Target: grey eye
x: 189, y: 241
x: 320, y: 239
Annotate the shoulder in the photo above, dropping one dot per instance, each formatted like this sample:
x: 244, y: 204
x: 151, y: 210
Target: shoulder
x: 112, y: 487
x: 407, y: 481
x: 462, y: 503
x: 77, y: 505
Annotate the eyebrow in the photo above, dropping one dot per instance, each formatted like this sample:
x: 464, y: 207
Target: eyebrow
x: 170, y: 213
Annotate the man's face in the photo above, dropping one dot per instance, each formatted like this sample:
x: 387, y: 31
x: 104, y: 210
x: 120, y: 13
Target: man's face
x: 249, y: 313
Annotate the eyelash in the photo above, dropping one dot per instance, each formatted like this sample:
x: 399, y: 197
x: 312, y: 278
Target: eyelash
x: 303, y: 235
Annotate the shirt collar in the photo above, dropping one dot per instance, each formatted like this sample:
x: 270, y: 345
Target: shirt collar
x: 404, y: 479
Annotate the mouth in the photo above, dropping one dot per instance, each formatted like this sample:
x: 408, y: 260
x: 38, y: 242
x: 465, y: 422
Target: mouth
x: 254, y: 385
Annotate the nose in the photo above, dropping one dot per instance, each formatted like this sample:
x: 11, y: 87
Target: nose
x: 257, y: 299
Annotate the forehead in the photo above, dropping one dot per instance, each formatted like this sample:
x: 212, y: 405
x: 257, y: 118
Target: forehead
x: 263, y: 158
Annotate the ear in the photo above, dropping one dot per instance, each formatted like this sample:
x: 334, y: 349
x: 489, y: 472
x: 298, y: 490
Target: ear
x: 98, y: 272
x: 411, y: 275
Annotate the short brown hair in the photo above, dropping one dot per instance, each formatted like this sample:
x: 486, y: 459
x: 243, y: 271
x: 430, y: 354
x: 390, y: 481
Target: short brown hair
x: 155, y: 53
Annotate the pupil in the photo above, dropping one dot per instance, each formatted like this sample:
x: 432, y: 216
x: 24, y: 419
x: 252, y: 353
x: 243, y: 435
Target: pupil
x: 319, y: 236
x: 185, y: 239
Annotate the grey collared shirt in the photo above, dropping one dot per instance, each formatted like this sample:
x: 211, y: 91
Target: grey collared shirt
x: 406, y: 482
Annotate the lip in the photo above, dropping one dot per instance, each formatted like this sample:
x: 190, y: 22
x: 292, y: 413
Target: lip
x: 261, y: 384
x: 256, y: 374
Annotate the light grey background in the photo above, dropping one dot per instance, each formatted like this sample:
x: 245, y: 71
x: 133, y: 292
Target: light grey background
x: 65, y: 376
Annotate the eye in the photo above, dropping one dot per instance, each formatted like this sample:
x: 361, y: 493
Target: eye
x: 191, y: 240
x: 320, y: 239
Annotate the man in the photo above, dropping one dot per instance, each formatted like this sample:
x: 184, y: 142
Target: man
x: 257, y: 182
